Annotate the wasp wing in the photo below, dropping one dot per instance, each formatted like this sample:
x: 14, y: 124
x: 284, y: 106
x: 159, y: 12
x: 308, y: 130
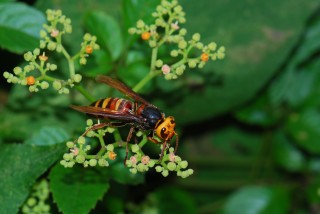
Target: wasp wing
x: 108, y: 114
x: 122, y: 88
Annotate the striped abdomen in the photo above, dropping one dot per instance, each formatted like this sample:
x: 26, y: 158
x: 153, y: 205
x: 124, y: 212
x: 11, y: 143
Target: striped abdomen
x: 112, y: 103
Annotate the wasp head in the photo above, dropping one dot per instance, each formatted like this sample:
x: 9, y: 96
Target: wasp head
x: 166, y: 128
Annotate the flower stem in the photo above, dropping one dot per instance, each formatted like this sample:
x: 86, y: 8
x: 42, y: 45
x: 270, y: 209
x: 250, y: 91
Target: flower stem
x: 84, y: 93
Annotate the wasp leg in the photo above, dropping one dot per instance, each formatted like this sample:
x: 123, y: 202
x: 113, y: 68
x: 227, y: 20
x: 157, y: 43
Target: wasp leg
x: 127, y: 142
x: 177, y: 143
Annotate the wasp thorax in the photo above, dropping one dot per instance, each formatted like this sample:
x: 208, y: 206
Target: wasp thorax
x: 153, y: 116
x: 166, y: 129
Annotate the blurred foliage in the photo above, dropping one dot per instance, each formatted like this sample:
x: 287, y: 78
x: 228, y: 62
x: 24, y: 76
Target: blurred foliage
x: 249, y: 125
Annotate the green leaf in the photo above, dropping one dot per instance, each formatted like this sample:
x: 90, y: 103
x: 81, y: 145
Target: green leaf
x: 107, y: 30
x: 77, y: 190
x: 167, y: 196
x: 19, y: 27
x: 48, y: 136
x: 258, y: 112
x: 287, y: 155
x: 257, y: 42
x: 292, y: 87
x: 21, y: 165
x: 133, y: 73
x: 304, y: 127
x: 313, y: 191
x: 257, y: 200
x: 122, y: 175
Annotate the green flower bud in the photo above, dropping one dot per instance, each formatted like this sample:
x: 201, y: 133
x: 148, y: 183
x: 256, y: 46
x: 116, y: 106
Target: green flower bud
x: 190, y: 171
x: 63, y: 163
x: 165, y: 173
x: 70, y: 164
x: 135, y: 148
x: 67, y: 156
x: 80, y: 158
x: 87, y: 148
x: 86, y: 163
x: 44, y: 85
x: 151, y: 163
x: 159, y: 63
x: 182, y: 44
x: 17, y: 70
x: 70, y: 144
x: 171, y: 166
x: 174, y: 53
x: 110, y: 129
x: 53, y: 67
x: 152, y: 43
x: 192, y: 63
x: 141, y: 167
x: 93, y: 162
x: 132, y: 30
x: 83, y: 61
x: 183, y: 32
x: 6, y: 74
x: 52, y: 46
x: 77, y: 78
x: 31, y: 201
x: 68, y: 28
x: 183, y: 164
x: 140, y: 24
x: 212, y: 46
x: 110, y: 147
x: 133, y: 170
x: 65, y: 91
x: 177, y: 9
x: 196, y: 37
x: 182, y: 19
x: 199, y: 45
x: 57, y: 85
x: 28, y: 56
x: 103, y: 162
x: 168, y: 76
x: 42, y: 44
x: 89, y: 122
x: 177, y: 159
x: 87, y: 37
x: 36, y: 52
x: 81, y: 140
x: 59, y: 48
x: 43, y: 33
x: 159, y: 168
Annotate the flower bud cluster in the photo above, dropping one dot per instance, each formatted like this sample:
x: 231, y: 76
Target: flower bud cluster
x: 169, y: 162
x: 35, y: 73
x: 80, y: 150
x: 36, y: 203
x: 167, y: 16
x: 36, y: 61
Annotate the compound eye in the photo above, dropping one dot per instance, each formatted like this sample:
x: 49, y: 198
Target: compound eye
x: 163, y: 134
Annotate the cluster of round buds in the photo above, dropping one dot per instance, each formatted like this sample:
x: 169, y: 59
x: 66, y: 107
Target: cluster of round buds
x: 87, y: 47
x: 79, y: 151
x: 167, y: 16
x: 26, y: 75
x: 139, y: 162
x: 51, y: 34
x: 169, y: 162
x: 36, y: 203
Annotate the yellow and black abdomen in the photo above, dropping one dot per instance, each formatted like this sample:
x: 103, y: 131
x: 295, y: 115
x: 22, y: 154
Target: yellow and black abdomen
x: 113, y: 103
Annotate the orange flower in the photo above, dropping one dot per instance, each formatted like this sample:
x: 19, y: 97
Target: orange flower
x: 89, y: 49
x: 30, y: 80
x: 112, y: 155
x: 145, y: 35
x: 204, y: 57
